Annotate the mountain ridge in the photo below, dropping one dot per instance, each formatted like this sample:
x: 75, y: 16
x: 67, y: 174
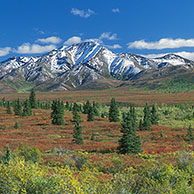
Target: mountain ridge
x: 72, y: 67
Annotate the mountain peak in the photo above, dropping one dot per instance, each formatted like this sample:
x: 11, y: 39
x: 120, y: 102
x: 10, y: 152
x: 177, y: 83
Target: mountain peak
x: 79, y: 64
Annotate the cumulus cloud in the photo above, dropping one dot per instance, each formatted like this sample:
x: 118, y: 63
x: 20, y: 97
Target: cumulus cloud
x: 116, y: 10
x: 27, y: 48
x: 162, y: 44
x: 115, y: 46
x: 94, y: 40
x: 52, y: 40
x: 72, y: 40
x: 184, y: 54
x: 4, y: 51
x: 107, y: 35
x: 82, y: 13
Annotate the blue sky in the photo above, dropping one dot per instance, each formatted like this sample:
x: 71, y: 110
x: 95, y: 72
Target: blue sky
x: 147, y: 27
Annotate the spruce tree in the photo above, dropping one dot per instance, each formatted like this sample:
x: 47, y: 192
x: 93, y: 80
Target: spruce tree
x: 95, y: 109
x: 57, y: 114
x: 190, y: 134
x: 91, y: 113
x: 32, y: 99
x: 67, y: 105
x: 77, y: 132
x: 76, y: 117
x: 113, y: 111
x: 9, y: 111
x: 86, y: 107
x: 7, y: 157
x: 140, y: 125
x: 18, y: 107
x: 76, y: 107
x: 27, y: 111
x: 146, y: 118
x: 16, y: 126
x: 130, y: 142
x: 154, y: 115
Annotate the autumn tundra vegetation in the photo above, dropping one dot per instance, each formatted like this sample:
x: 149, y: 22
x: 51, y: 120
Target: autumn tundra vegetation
x: 70, y: 143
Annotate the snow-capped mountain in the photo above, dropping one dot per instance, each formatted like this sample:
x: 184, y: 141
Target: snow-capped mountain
x: 79, y: 64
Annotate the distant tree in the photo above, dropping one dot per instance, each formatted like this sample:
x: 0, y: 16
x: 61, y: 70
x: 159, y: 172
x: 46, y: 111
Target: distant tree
x: 76, y: 107
x: 190, y: 134
x: 95, y: 109
x: 27, y: 111
x: 86, y: 107
x: 9, y: 111
x: 67, y: 105
x: 3, y: 102
x: 76, y: 117
x: 113, y: 111
x: 140, y: 125
x: 18, y: 107
x: 77, y: 132
x: 92, y: 138
x: 146, y: 118
x: 16, y: 126
x: 32, y: 99
x: 91, y: 113
x: 130, y: 142
x: 154, y: 115
x: 7, y: 157
x: 57, y: 114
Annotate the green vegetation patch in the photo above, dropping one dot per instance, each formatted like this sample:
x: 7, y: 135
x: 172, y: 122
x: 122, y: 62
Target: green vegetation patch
x: 21, y: 86
x: 179, y: 84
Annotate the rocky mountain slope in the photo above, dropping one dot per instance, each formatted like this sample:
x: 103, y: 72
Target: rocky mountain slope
x: 84, y: 65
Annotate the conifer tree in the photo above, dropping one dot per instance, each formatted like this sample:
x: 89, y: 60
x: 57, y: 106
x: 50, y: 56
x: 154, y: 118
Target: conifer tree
x: 76, y: 107
x: 32, y: 99
x: 95, y: 109
x: 140, y: 125
x: 27, y: 111
x: 16, y: 126
x: 7, y: 157
x: 9, y: 111
x: 67, y: 105
x: 76, y: 117
x: 57, y: 114
x: 146, y: 118
x: 18, y: 107
x: 91, y: 113
x: 154, y: 115
x: 130, y: 142
x: 77, y: 132
x: 113, y: 111
x: 190, y: 134
x: 86, y: 107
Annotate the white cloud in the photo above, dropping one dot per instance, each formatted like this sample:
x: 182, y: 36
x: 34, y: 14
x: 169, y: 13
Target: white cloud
x: 184, y: 54
x: 94, y: 40
x: 162, y: 44
x: 52, y: 40
x: 115, y: 46
x: 107, y: 35
x: 82, y: 13
x: 187, y: 55
x: 4, y: 51
x: 72, y: 40
x: 27, y: 48
x: 116, y: 10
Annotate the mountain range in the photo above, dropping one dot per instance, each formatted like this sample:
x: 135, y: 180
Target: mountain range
x: 87, y: 65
